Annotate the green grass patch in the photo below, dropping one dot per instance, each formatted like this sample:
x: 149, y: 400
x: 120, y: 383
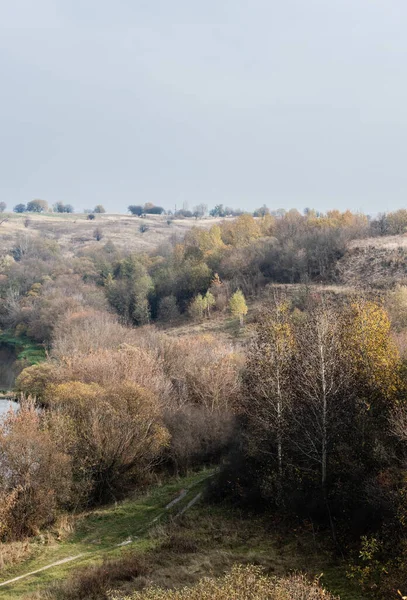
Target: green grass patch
x: 98, y: 533
x: 25, y: 349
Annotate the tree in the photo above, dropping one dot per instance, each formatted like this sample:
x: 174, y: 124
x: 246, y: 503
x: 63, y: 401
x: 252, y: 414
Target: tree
x: 35, y: 471
x: 200, y: 211
x: 322, y: 381
x: 209, y: 301
x: 153, y: 210
x: 267, y: 380
x: 20, y: 208
x: 135, y: 210
x: 60, y: 207
x: 238, y: 306
x: 3, y: 206
x: 374, y: 357
x: 197, y: 307
x: 38, y: 206
x: 99, y: 209
x: 261, y: 212
x: 167, y: 309
x: 128, y: 292
x: 218, y: 211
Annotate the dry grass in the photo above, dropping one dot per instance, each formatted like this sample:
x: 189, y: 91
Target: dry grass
x: 13, y: 553
x: 75, y: 232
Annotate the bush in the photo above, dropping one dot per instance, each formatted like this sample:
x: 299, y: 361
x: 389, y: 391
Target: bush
x: 94, y: 582
x: 243, y: 583
x: 35, y: 473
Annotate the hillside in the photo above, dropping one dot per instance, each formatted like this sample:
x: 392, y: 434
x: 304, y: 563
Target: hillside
x: 74, y: 232
x: 378, y: 262
x: 165, y: 537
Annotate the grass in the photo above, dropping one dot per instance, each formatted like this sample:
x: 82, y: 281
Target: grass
x: 74, y: 232
x: 97, y: 534
x: 205, y: 541
x: 25, y: 348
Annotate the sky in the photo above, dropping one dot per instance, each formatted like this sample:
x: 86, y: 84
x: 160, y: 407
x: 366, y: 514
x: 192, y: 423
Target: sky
x: 289, y: 103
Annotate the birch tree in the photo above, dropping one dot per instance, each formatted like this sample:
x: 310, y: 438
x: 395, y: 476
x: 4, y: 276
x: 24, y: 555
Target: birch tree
x: 267, y: 378
x: 322, y: 384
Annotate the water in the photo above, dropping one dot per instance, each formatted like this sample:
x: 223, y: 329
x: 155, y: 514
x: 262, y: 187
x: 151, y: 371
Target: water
x: 5, y: 406
x: 7, y: 368
x: 7, y: 378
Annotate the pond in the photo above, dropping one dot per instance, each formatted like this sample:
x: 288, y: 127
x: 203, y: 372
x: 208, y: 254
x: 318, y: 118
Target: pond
x: 5, y: 405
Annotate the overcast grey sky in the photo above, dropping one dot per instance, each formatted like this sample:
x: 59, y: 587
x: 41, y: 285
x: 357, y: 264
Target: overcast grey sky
x: 291, y: 103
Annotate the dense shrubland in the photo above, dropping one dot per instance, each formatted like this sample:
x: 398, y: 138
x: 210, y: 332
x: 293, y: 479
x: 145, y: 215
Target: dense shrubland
x: 308, y: 416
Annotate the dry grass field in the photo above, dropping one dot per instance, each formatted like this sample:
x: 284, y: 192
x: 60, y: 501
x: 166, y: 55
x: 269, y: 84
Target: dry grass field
x: 378, y: 262
x: 74, y: 232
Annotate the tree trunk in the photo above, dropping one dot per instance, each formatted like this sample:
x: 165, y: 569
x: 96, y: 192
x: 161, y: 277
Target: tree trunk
x: 324, y: 413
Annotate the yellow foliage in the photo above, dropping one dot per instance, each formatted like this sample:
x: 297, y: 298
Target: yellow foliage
x: 241, y: 231
x: 372, y: 351
x: 242, y: 583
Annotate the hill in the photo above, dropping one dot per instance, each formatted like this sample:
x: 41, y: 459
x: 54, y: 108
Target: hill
x: 75, y: 232
x: 378, y: 262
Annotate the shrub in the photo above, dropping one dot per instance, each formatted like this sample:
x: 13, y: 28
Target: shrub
x: 243, y: 582
x: 35, y: 473
x: 98, y: 234
x: 94, y: 582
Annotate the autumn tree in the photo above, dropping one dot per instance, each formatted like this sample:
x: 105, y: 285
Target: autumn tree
x: 209, y: 302
x: 238, y: 306
x: 371, y: 350
x: 267, y: 375
x: 35, y: 472
x: 197, y: 307
x: 99, y: 209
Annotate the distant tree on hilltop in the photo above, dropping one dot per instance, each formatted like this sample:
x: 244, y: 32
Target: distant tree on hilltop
x: 37, y: 206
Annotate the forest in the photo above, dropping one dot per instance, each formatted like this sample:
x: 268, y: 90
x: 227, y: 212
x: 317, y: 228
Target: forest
x: 267, y: 351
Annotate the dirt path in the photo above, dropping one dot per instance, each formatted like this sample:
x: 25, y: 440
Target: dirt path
x: 68, y: 559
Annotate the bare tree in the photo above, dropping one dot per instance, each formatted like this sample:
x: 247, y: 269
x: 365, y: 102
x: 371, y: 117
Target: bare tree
x: 267, y: 377
x: 322, y: 388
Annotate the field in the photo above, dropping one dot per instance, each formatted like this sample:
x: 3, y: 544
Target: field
x: 75, y: 232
